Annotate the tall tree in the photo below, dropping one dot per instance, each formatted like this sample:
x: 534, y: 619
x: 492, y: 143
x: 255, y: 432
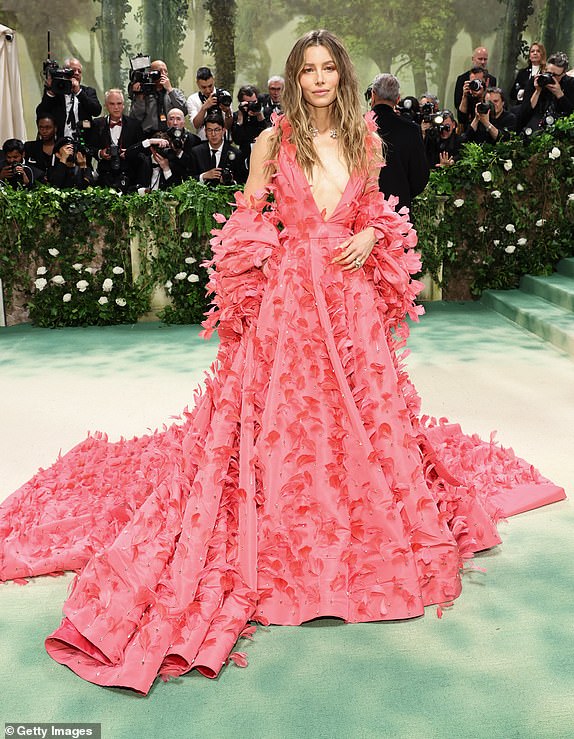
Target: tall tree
x: 110, y: 25
x: 164, y: 25
x: 557, y: 25
x: 515, y: 22
x: 221, y: 40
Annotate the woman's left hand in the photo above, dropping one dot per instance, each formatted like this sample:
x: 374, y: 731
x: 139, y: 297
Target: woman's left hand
x: 355, y: 250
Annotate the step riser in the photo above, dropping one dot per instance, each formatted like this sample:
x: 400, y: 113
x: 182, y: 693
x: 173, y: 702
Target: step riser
x: 544, y: 329
x: 552, y: 293
x: 566, y: 267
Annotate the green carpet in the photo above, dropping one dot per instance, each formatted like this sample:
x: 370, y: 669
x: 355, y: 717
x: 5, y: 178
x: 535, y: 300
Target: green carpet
x: 498, y: 664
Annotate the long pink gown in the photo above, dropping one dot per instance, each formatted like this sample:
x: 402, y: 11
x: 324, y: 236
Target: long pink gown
x: 303, y: 483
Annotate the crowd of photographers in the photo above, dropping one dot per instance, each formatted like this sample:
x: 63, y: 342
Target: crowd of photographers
x: 152, y: 145
x: 142, y: 143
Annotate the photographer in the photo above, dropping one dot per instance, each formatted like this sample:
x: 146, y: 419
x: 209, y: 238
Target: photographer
x: 491, y: 122
x: 479, y: 60
x: 13, y: 171
x: 119, y: 166
x: 150, y: 107
x: 441, y: 141
x: 473, y: 92
x: 208, y: 99
x: 406, y: 171
x: 249, y: 120
x: 175, y: 160
x: 216, y: 161
x: 70, y: 166
x: 428, y: 110
x: 40, y: 153
x: 73, y: 111
x: 275, y: 87
x: 548, y: 96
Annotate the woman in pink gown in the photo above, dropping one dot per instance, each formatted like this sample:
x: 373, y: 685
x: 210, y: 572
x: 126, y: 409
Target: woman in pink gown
x: 303, y: 483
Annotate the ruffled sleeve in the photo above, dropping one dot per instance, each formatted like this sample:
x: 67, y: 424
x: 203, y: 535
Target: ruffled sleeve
x: 240, y: 249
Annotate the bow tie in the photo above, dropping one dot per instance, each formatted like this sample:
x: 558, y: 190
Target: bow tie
x: 117, y: 123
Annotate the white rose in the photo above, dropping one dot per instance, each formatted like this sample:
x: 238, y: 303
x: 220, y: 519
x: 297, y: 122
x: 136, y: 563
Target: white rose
x: 554, y: 153
x: 58, y: 280
x: 510, y: 228
x: 496, y: 194
x: 186, y: 235
x: 41, y: 271
x: 570, y: 197
x: 507, y: 165
x: 90, y: 270
x: 510, y: 249
x: 496, y: 242
x: 190, y: 260
x: 107, y: 285
x: 180, y: 276
x: 53, y: 252
x: 77, y: 266
x: 103, y: 300
x: 193, y: 278
x: 522, y: 241
x: 169, y: 285
x: 540, y: 222
x: 449, y: 244
x: 481, y: 229
x: 67, y: 297
x: 82, y: 285
x: 121, y: 302
x: 40, y: 283
x: 520, y: 187
x: 458, y: 203
x: 118, y: 270
x: 487, y: 176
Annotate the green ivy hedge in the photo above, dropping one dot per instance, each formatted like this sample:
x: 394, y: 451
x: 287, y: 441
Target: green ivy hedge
x: 500, y: 212
x: 68, y: 256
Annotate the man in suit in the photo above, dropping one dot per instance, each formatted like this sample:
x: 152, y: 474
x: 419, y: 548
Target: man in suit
x: 112, y: 141
x: 73, y: 113
x: 151, y: 109
x: 216, y: 161
x: 406, y: 170
x: 479, y: 59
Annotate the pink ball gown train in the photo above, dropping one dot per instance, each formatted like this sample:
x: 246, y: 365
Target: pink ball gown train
x: 302, y: 484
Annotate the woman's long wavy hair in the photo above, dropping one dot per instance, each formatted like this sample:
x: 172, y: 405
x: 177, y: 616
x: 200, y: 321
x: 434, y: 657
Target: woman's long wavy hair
x: 346, y: 115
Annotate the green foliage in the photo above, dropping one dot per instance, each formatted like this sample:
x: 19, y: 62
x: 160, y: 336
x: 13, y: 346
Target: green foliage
x: 500, y: 212
x: 68, y: 253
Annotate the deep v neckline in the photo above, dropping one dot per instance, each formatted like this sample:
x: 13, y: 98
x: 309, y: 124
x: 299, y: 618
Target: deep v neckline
x: 312, y: 197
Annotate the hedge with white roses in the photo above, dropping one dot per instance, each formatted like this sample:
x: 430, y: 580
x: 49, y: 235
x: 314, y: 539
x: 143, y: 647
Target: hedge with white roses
x: 67, y: 255
x: 500, y: 212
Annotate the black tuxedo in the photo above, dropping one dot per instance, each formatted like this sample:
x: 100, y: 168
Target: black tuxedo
x: 88, y: 107
x: 131, y: 165
x: 231, y: 158
x: 407, y: 171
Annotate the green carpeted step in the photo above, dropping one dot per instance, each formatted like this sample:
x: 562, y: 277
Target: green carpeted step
x: 550, y: 322
x: 557, y: 289
x: 566, y: 267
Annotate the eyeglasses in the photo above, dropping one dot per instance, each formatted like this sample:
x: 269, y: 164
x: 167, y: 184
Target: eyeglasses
x: 213, y: 130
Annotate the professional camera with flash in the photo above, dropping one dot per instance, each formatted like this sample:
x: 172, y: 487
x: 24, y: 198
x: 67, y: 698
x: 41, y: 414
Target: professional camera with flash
x: 140, y: 72
x: 61, y: 77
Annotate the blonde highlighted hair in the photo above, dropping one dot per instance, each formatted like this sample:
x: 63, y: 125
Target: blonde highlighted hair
x: 346, y: 115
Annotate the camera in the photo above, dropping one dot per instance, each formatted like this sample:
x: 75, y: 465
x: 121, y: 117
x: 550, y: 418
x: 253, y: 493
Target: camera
x: 368, y: 94
x: 61, y: 77
x: 475, y: 85
x: 545, y: 79
x: 223, y: 97
x: 141, y: 72
x: 226, y: 176
x: 409, y: 109
x: 427, y: 112
x: 176, y: 137
x: 115, y: 163
x: 485, y: 107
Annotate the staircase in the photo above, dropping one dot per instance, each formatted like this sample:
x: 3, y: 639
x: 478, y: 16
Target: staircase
x: 542, y: 305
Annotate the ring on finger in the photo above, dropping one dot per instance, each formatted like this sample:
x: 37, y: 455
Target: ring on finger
x: 358, y: 264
